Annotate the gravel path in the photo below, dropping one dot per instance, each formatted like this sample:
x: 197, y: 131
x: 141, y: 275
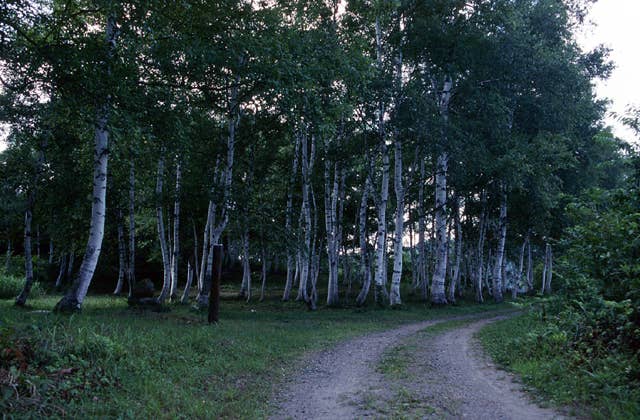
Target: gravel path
x: 447, y: 377
x: 459, y: 381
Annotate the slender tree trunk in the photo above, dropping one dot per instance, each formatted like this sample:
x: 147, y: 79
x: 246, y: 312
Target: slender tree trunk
x: 306, y: 211
x: 516, y: 285
x: 72, y: 300
x: 480, y: 253
x: 50, y: 251
x: 422, y: 226
x: 38, y: 241
x: 195, y: 247
x: 62, y: 271
x: 547, y: 285
x: 122, y: 255
x: 263, y: 287
x: 175, y: 258
x: 331, y: 224
x: 205, y: 251
x: 438, y: 281
x: 185, y: 294
x: 21, y: 300
x: 288, y: 215
x: 245, y: 289
x: 497, y: 269
x: 164, y: 247
x: 365, y: 266
x: 455, y: 278
x: 131, y: 271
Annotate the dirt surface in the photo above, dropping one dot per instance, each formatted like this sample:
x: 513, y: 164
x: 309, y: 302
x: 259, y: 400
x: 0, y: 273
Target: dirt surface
x: 444, y: 375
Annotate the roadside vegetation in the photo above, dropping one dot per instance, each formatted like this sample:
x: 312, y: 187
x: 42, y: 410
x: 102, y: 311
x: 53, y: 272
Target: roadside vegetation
x: 113, y: 361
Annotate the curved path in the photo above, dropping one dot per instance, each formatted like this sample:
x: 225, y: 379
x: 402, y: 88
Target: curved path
x: 447, y: 377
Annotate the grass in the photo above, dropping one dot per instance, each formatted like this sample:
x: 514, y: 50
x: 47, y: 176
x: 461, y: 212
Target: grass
x: 112, y: 361
x: 552, y: 371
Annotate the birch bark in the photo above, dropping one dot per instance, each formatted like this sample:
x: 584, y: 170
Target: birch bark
x: 175, y: 257
x: 72, y: 300
x: 122, y: 256
x: 497, y: 269
x: 286, y: 295
x: 164, y: 248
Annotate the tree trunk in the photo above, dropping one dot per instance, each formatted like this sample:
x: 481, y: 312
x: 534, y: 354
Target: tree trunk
x: 122, y: 255
x: 286, y: 295
x: 185, y: 294
x: 72, y: 300
x: 263, y: 287
x: 497, y: 269
x: 195, y: 248
x: 175, y: 258
x: 516, y: 285
x: 62, y: 271
x: 50, y: 251
x: 331, y: 197
x: 455, y: 278
x: 205, y: 251
x: 131, y: 271
x: 438, y: 280
x: 529, y: 265
x: 547, y: 288
x: 422, y: 226
x: 164, y: 247
x: 365, y: 266
x: 245, y: 288
x: 21, y: 300
x: 482, y: 229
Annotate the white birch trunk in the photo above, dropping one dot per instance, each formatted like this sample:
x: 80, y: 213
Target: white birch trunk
x: 497, y: 269
x: 164, y: 248
x: 245, y: 289
x: 365, y: 265
x: 185, y: 294
x: 331, y: 224
x: 62, y: 271
x: 175, y: 257
x: 72, y: 300
x: 263, y: 287
x: 394, y: 296
x: 122, y: 256
x: 455, y: 277
x: 286, y: 295
x: 549, y: 269
x: 131, y: 271
x: 480, y: 251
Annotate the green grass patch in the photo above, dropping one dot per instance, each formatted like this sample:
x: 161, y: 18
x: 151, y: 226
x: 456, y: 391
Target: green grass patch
x: 112, y: 361
x: 545, y: 360
x: 11, y: 286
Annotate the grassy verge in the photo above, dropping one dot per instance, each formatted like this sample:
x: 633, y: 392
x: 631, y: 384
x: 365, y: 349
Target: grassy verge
x: 111, y: 361
x: 543, y: 358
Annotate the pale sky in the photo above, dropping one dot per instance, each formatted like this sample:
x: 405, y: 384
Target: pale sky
x: 616, y: 24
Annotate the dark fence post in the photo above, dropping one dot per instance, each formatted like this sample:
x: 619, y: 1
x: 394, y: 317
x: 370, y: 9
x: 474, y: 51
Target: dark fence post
x: 214, y: 295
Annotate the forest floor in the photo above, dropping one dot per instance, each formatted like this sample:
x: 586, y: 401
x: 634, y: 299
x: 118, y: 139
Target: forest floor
x: 426, y: 369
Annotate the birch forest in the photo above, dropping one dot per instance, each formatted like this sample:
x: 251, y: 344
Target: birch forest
x: 343, y: 154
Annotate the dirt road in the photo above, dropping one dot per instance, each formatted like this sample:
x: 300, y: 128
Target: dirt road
x: 442, y: 375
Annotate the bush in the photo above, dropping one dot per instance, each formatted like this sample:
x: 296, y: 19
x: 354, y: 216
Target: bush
x: 11, y: 286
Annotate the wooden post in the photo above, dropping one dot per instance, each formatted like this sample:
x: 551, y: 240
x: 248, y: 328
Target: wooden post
x: 214, y: 295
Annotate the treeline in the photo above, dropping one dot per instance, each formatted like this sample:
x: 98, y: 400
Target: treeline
x: 310, y: 135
